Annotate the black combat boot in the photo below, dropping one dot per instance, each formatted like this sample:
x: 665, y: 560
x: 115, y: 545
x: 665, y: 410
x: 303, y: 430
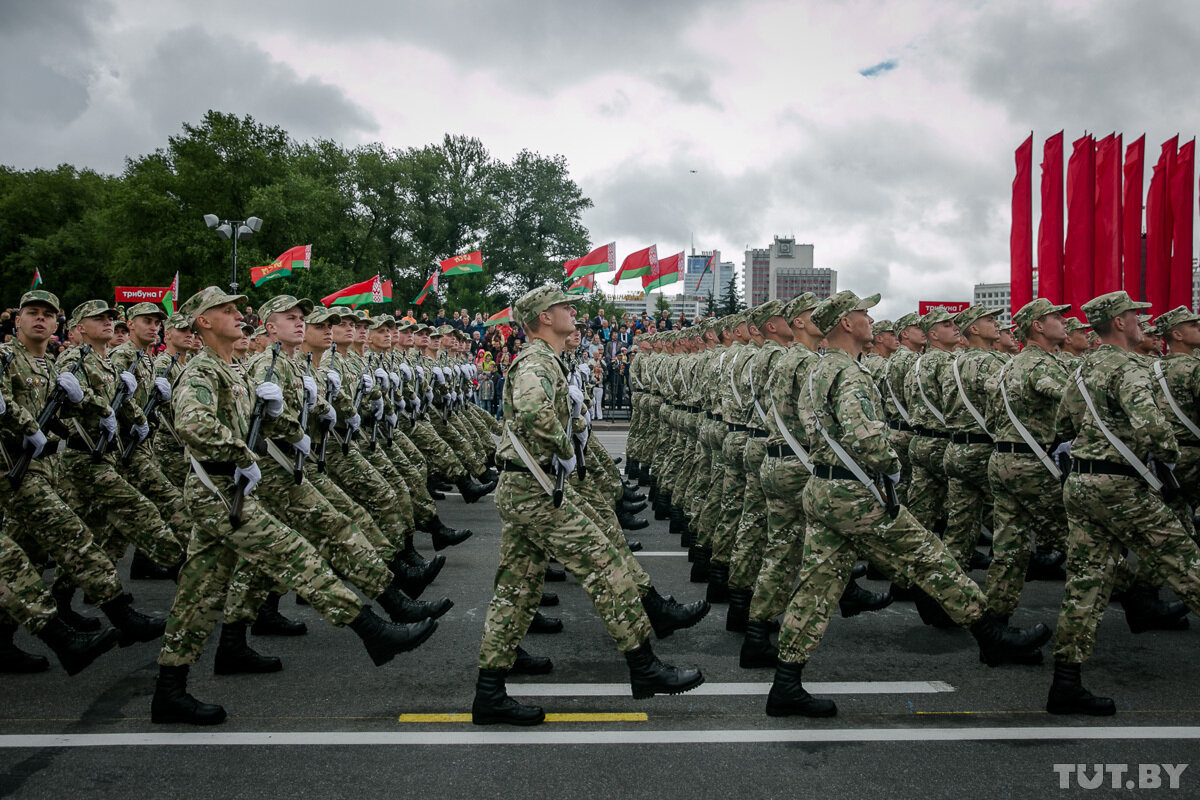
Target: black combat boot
x: 133, y: 625
x: 980, y: 560
x: 628, y: 507
x: 855, y: 600
x: 648, y: 676
x: 662, y: 504
x: 667, y: 616
x: 631, y: 495
x: 555, y: 574
x: 1046, y: 564
x: 142, y: 568
x: 412, y: 579
x: 859, y: 570
x: 270, y: 622
x: 738, y: 615
x: 688, y: 539
x: 633, y: 544
x: 718, y: 582
x: 788, y: 697
x: 999, y: 643
x: 490, y: 475
x: 493, y: 706
x: 1028, y: 658
x: 757, y: 650
x: 63, y: 593
x: 652, y: 492
x: 472, y: 491
x: 1144, y: 611
x: 678, y: 520
x: 403, y: 610
x: 14, y: 660
x: 548, y: 599
x: 903, y: 594
x: 631, y: 467
x: 431, y: 486
x: 701, y: 564
x: 235, y: 657
x: 630, y: 522
x: 543, y: 624
x: 442, y: 535
x: 384, y: 640
x: 531, y: 665
x: 76, y: 650
x: 643, y: 476
x: 931, y: 611
x: 172, y: 703
x: 1067, y: 695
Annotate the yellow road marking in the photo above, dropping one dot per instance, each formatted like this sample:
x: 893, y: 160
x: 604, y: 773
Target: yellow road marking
x: 633, y: 716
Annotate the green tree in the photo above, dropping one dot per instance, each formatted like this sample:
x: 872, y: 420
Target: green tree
x: 710, y: 306
x: 732, y: 302
x: 662, y: 303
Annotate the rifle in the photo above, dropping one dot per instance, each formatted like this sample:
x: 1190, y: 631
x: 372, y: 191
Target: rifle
x: 354, y: 404
x: 17, y: 474
x: 298, y: 470
x: 1170, y: 483
x: 560, y: 476
x: 256, y: 420
x: 890, y: 502
x: 148, y: 410
x: 391, y: 429
x: 374, y: 418
x: 104, y: 441
x: 326, y: 426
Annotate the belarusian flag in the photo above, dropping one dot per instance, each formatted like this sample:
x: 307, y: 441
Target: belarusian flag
x: 461, y: 265
x: 663, y: 272
x: 637, y: 264
x: 431, y: 285
x: 168, y: 300
x: 499, y: 318
x: 372, y: 290
x: 298, y: 257
x: 601, y: 259
x: 37, y: 279
x: 704, y: 271
x: 582, y: 285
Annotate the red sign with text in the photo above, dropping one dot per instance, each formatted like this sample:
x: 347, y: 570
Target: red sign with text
x: 951, y: 306
x: 141, y: 294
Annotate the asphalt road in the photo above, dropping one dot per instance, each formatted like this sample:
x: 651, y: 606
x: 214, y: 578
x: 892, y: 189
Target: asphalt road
x: 919, y: 716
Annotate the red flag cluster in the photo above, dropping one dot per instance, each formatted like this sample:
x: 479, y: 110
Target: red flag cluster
x: 1102, y: 248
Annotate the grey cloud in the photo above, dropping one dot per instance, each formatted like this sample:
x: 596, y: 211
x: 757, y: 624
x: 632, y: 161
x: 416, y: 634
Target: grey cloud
x: 694, y: 88
x: 618, y: 106
x: 876, y: 70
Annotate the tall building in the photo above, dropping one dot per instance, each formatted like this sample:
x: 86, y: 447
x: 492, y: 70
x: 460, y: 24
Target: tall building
x: 716, y: 280
x: 995, y: 295
x: 784, y: 270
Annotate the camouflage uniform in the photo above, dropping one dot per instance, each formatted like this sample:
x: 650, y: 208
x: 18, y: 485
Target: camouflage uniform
x: 891, y: 388
x: 926, y: 493
x: 1179, y: 375
x: 24, y: 599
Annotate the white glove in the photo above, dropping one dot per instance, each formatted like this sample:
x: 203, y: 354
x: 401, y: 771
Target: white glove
x: 252, y: 474
x: 335, y: 381
x: 576, y: 396
x: 163, y: 387
x: 453, y: 396
x: 353, y: 422
x: 1065, y: 447
x: 392, y: 419
x: 395, y: 379
x: 304, y: 445
x: 567, y: 464
x: 420, y: 373
x: 381, y: 378
x: 109, y: 425
x: 429, y: 397
x: 368, y: 382
x: 272, y: 395
x: 377, y: 408
x: 582, y: 437
x: 440, y: 374
x: 406, y: 371
x: 310, y: 392
x: 416, y: 405
x: 330, y: 416
x: 141, y: 431
x: 401, y: 406
x: 458, y: 370
x: 35, y: 442
x: 894, y: 477
x: 70, y: 384
x: 3, y: 405
x: 130, y: 382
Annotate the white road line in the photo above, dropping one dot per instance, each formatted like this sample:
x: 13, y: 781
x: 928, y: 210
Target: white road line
x: 661, y: 553
x: 554, y: 735
x: 729, y: 689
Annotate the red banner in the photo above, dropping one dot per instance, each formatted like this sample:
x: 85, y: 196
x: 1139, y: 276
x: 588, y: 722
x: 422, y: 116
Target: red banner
x: 1158, y: 230
x: 951, y: 306
x: 1131, y: 219
x: 1050, y: 228
x: 141, y: 294
x: 1182, y: 193
x: 1078, y: 255
x: 1107, y: 233
x: 1020, y: 239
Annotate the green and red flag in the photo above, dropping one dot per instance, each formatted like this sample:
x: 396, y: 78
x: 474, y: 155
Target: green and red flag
x: 431, y: 285
x: 168, y: 300
x: 372, y: 290
x: 464, y: 264
x: 707, y: 266
x: 499, y: 318
x: 602, y: 259
x: 637, y: 264
x: 665, y: 271
x: 298, y: 257
x: 582, y: 285
x: 37, y: 279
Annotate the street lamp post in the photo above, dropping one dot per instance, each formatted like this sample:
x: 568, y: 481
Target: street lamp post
x: 225, y: 228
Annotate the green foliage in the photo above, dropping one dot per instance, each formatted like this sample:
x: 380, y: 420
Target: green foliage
x: 662, y: 303
x: 710, y: 306
x: 732, y: 302
x: 592, y: 302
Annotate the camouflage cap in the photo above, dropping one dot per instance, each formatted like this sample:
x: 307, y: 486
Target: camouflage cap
x: 907, y: 321
x: 380, y: 321
x: 179, y: 321
x: 969, y: 316
x: 283, y: 302
x: 1110, y: 306
x: 1148, y: 327
x: 1074, y: 324
x: 247, y: 329
x: 883, y: 326
x: 360, y: 316
x: 446, y: 330
x: 261, y: 330
x: 799, y: 304
x: 934, y: 317
x: 760, y: 314
x: 1034, y: 310
x: 404, y: 324
x: 41, y: 297
x: 92, y: 308
x: 1176, y: 316
x: 206, y: 298
x: 146, y: 310
x: 321, y: 315
x: 829, y: 311
x: 535, y: 301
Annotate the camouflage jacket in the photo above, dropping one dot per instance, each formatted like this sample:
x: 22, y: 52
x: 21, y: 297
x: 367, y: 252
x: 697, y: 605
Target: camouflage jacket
x: 731, y: 410
x: 162, y: 364
x: 874, y: 364
x: 976, y: 367
x: 535, y: 405
x: 758, y: 374
x: 839, y: 393
x: 891, y: 383
x: 1034, y: 381
x: 1181, y: 372
x: 289, y: 376
x: 129, y: 357
x: 923, y: 388
x: 212, y: 406
x: 102, y: 377
x: 787, y: 381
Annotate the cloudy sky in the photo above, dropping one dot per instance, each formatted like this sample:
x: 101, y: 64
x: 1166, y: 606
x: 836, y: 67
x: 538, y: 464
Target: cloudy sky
x: 880, y: 132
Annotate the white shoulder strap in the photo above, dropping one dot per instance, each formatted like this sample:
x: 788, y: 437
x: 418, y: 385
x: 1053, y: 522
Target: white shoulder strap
x: 1050, y: 466
x: 887, y: 369
x: 1183, y: 418
x: 921, y: 390
x: 962, y: 393
x: 792, y: 442
x: 1121, y: 447
x: 838, y: 450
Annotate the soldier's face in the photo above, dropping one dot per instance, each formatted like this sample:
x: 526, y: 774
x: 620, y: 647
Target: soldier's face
x: 97, y: 329
x: 223, y: 321
x: 421, y: 340
x: 37, y: 322
x: 1188, y: 334
x: 1132, y: 328
x: 404, y: 339
x: 574, y: 339
x: 144, y: 329
x: 318, y: 336
x: 360, y: 332
x: 287, y: 326
x: 944, y: 333
x: 986, y: 328
x: 241, y: 347
x: 1053, y: 327
x: 860, y: 327
x: 342, y: 332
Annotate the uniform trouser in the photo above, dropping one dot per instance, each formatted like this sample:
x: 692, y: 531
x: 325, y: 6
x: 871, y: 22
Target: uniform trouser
x: 340, y: 499
x: 356, y: 475
x: 24, y: 599
x: 968, y: 493
x: 900, y: 442
x: 783, y: 481
x: 437, y: 453
x: 710, y: 515
x: 733, y: 487
x: 115, y: 510
x: 215, y: 548
x: 926, y: 495
x: 458, y: 421
x: 450, y: 435
x: 697, y: 489
x: 146, y: 475
x: 532, y: 532
x: 844, y: 521
x: 1028, y: 505
x: 591, y: 502
x: 38, y: 519
x: 485, y: 421
x: 602, y: 473
x: 747, y: 556
x: 1187, y: 472
x: 1105, y: 512
x: 414, y: 470
x: 171, y: 458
